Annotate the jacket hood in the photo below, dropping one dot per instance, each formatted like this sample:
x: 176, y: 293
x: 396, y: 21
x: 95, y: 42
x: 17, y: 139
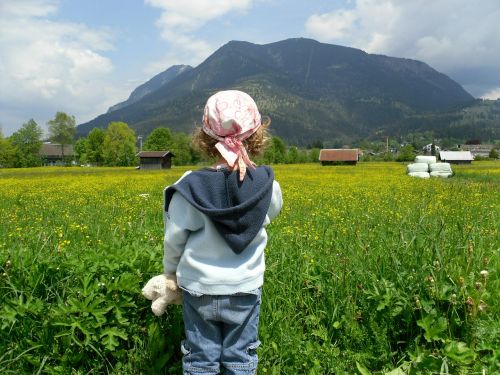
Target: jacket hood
x: 237, y: 208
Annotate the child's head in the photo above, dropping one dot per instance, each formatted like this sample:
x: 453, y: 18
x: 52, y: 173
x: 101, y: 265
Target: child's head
x: 232, y: 128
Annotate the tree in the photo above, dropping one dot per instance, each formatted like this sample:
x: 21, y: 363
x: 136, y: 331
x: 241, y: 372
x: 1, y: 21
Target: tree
x: 473, y: 141
x: 493, y: 154
x: 314, y: 155
x: 81, y: 150
x: 276, y: 151
x: 406, y: 153
x: 181, y: 147
x: 316, y: 144
x: 119, y: 145
x: 449, y: 143
x: 292, y: 156
x: 62, y: 129
x: 7, y: 152
x: 279, y: 149
x: 28, y: 142
x: 303, y: 156
x: 160, y: 139
x: 95, y: 146
x: 388, y: 156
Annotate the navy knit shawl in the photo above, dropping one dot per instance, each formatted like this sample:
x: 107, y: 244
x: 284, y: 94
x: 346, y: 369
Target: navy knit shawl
x: 237, y: 209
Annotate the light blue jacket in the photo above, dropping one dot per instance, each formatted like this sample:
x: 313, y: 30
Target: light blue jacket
x: 202, y: 260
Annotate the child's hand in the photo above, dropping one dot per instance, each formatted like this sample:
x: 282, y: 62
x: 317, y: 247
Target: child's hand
x: 163, y: 291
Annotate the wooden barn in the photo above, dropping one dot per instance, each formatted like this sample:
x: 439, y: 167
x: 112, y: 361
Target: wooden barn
x: 456, y: 157
x: 339, y: 156
x: 52, y: 154
x: 155, y: 159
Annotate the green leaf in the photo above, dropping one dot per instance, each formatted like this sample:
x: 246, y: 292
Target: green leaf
x: 79, y: 334
x: 110, y: 337
x: 362, y: 369
x: 120, y: 318
x: 425, y: 361
x: 382, y: 305
x: 162, y: 360
x: 8, y: 316
x: 396, y: 371
x: 320, y: 333
x: 433, y: 327
x: 396, y: 311
x: 427, y: 305
x: 459, y: 352
x: 444, y: 292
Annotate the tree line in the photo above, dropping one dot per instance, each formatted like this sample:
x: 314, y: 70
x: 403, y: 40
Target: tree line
x: 118, y: 145
x: 22, y: 149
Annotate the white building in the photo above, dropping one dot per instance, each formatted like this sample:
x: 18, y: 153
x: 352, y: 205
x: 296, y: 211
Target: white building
x: 428, y: 148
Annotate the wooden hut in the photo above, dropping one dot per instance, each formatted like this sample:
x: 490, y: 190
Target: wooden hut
x: 339, y: 156
x: 155, y: 159
x: 55, y: 154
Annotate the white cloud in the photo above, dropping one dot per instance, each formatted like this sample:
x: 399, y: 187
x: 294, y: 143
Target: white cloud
x: 450, y: 35
x: 334, y: 25
x: 48, y: 66
x: 492, y: 94
x: 28, y: 8
x: 181, y: 19
x: 188, y: 51
x: 189, y: 15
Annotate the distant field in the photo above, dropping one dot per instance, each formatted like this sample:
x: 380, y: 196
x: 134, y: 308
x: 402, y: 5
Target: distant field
x: 368, y: 271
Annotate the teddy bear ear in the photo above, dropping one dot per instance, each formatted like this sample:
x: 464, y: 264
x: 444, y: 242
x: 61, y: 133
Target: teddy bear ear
x: 149, y: 292
x: 155, y: 287
x: 146, y: 292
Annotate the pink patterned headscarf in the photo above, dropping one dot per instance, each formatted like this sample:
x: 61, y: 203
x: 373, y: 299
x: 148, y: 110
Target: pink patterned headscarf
x: 231, y: 117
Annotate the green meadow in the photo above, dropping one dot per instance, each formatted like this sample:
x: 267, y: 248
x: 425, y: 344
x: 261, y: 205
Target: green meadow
x: 369, y: 271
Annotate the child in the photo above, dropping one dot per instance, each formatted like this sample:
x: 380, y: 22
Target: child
x: 215, y: 240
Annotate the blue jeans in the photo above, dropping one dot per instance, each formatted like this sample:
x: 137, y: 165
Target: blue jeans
x: 221, y: 333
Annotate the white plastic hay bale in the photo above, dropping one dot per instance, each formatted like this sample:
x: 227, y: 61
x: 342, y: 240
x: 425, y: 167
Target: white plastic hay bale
x: 419, y: 174
x: 425, y: 159
x: 441, y: 174
x: 440, y: 167
x: 418, y: 167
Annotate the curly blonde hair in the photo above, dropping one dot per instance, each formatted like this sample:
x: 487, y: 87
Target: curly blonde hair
x: 255, y: 144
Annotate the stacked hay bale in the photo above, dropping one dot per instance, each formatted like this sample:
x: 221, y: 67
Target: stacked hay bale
x: 427, y: 166
x: 425, y: 159
x: 421, y: 166
x: 418, y: 169
x: 440, y: 170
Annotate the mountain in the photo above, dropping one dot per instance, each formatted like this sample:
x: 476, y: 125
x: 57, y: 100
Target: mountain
x: 312, y: 91
x: 152, y: 85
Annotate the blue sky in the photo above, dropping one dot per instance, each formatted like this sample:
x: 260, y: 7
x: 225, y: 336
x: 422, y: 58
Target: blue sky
x: 82, y: 56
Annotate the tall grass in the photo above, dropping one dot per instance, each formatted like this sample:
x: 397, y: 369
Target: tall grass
x: 368, y: 270
x: 372, y: 267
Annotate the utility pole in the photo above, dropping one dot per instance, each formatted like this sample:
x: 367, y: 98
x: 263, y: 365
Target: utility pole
x: 139, y: 138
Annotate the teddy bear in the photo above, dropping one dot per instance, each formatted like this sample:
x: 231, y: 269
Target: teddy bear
x: 162, y: 290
